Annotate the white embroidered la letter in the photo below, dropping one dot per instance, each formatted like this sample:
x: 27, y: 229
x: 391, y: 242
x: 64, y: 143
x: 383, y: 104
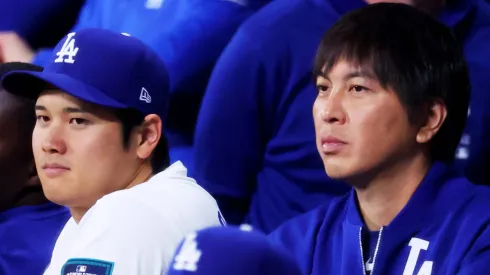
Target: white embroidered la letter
x: 68, y: 50
x: 188, y: 256
x: 417, y: 245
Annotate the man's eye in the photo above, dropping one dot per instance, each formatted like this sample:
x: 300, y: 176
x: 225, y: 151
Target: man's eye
x: 78, y: 121
x: 42, y: 118
x: 358, y: 88
x: 321, y: 88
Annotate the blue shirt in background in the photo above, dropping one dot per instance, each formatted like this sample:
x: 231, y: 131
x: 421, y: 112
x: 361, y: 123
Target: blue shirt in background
x: 471, y: 24
x: 443, y: 230
x: 27, y: 237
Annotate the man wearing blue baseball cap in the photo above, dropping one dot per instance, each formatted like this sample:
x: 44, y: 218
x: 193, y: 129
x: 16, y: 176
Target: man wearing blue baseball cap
x: 101, y: 105
x: 231, y: 251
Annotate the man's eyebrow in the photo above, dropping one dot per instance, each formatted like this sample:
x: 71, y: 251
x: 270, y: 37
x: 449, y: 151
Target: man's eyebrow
x: 74, y: 110
x: 66, y: 110
x: 352, y: 74
x: 39, y: 108
x: 360, y: 73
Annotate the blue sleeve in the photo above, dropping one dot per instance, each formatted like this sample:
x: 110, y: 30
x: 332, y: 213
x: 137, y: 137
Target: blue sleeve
x: 477, y: 261
x: 228, y: 144
x: 86, y: 18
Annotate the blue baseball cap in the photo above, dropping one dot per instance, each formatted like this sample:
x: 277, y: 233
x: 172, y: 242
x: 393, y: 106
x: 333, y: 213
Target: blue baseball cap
x: 230, y: 250
x: 102, y: 67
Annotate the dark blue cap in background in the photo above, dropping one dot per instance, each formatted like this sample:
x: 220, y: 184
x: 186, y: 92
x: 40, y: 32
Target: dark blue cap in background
x: 230, y: 251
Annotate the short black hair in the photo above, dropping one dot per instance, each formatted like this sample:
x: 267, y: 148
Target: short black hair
x: 131, y: 118
x: 411, y: 53
x: 6, y: 68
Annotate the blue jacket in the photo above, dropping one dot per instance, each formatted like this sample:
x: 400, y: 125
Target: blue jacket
x: 189, y: 35
x: 27, y: 237
x: 254, y: 146
x: 443, y: 230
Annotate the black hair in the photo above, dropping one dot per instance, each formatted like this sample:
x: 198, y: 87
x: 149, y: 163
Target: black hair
x: 26, y: 113
x: 131, y: 118
x: 411, y: 53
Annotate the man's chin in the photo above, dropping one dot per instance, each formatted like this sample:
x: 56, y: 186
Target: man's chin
x: 337, y: 170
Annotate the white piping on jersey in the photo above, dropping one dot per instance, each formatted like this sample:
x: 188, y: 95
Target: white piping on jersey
x: 378, y: 242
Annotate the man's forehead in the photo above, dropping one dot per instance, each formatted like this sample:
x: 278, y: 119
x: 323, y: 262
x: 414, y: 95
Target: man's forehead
x: 47, y: 97
x: 59, y: 101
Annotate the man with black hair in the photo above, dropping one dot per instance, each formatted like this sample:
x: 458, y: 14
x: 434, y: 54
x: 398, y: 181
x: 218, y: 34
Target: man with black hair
x: 254, y: 149
x: 99, y: 149
x: 392, y: 96
x: 29, y: 223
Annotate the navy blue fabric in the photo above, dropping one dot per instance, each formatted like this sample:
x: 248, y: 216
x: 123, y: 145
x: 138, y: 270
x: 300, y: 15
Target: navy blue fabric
x: 40, y: 23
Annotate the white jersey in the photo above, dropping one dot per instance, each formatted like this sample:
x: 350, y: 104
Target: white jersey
x: 135, y: 231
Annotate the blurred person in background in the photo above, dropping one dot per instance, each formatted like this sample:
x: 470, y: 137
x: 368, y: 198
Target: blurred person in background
x: 231, y: 251
x: 393, y: 91
x: 38, y: 23
x: 254, y: 147
x: 29, y: 223
x: 100, y: 150
x: 188, y: 35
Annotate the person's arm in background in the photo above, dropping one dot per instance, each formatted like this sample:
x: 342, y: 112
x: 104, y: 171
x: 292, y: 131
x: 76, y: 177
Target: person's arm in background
x: 13, y: 47
x: 229, y: 140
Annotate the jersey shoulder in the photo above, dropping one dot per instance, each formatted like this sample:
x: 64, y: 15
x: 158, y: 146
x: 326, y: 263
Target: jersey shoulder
x: 168, y: 197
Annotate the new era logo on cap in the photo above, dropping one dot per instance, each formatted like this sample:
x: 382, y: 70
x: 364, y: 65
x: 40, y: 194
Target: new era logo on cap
x: 145, y: 96
x: 101, y: 67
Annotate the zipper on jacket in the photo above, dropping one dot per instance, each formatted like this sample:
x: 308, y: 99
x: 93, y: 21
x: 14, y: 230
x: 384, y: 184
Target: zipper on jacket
x: 378, y: 242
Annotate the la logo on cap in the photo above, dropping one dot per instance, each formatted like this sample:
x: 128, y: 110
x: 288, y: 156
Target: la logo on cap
x: 68, y: 50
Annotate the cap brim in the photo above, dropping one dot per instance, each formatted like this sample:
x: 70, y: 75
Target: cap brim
x: 32, y: 84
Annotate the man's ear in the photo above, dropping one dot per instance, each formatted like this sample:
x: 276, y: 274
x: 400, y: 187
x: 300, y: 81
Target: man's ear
x: 436, y: 115
x: 149, y: 136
